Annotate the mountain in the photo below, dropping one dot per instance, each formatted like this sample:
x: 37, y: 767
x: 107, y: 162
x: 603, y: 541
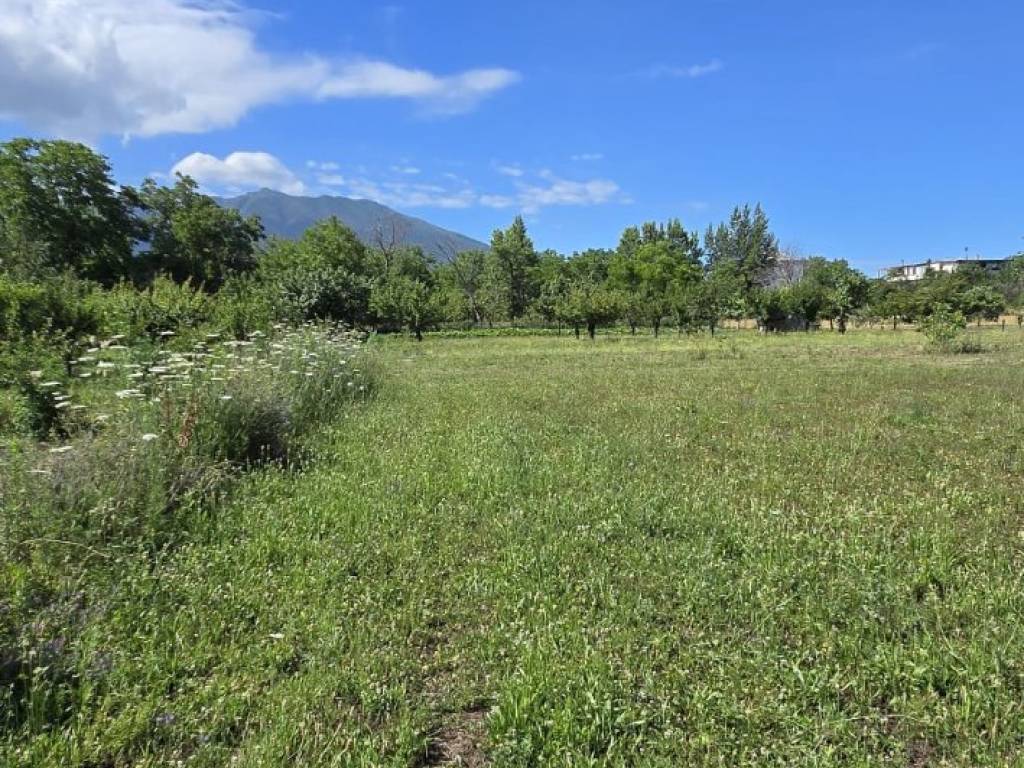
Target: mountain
x: 289, y: 215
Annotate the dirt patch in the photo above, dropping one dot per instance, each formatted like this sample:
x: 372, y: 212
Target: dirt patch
x: 919, y: 753
x: 459, y: 743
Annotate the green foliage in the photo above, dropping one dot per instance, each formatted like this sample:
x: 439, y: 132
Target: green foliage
x: 142, y: 474
x: 743, y: 249
x: 165, y: 307
x: 327, y: 275
x: 464, y: 277
x: 53, y: 305
x: 192, y: 238
x: 515, y: 259
x: 60, y: 209
x: 943, y: 327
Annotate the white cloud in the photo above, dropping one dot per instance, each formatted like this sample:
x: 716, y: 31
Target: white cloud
x: 449, y: 94
x: 556, y: 191
x: 691, y: 72
x: 588, y: 156
x: 404, y: 195
x: 509, y: 170
x: 91, y: 67
x: 240, y: 171
x: 408, y: 170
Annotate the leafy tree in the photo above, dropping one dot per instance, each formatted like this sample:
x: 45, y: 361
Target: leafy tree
x: 589, y: 304
x: 326, y: 274
x: 744, y: 248
x: 1010, y: 281
x: 551, y: 281
x: 772, y: 307
x: 192, y: 238
x: 406, y: 297
x: 981, y: 302
x: 651, y: 268
x: 515, y: 258
x: 464, y: 276
x: 834, y: 289
x: 60, y: 209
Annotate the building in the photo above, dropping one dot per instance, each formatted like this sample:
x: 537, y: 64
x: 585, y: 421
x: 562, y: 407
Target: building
x: 911, y: 272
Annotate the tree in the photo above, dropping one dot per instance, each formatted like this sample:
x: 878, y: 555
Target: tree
x: 515, y: 258
x: 60, y: 209
x: 464, y: 276
x: 650, y: 268
x: 406, y: 297
x: 193, y: 239
x: 743, y: 248
x: 326, y: 274
x: 981, y: 302
x: 589, y: 304
x: 551, y: 281
x: 666, y: 271
x: 388, y: 236
x: 1010, y: 281
x: 837, y: 290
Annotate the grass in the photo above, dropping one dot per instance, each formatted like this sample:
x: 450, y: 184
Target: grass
x: 802, y: 550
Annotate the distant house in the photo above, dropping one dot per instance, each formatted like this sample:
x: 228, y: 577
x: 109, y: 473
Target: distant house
x: 911, y: 272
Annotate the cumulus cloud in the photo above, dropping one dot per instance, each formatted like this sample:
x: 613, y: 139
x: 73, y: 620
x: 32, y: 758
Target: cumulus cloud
x: 92, y: 67
x: 240, y: 171
x: 588, y: 156
x: 509, y: 170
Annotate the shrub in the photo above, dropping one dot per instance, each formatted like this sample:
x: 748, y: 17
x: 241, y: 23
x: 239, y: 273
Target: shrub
x: 15, y: 413
x: 244, y: 304
x: 165, y: 306
x: 943, y: 328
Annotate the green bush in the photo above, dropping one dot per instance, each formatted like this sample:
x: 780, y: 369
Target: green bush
x: 243, y: 305
x: 15, y: 413
x: 164, y: 307
x: 944, y: 328
x: 56, y: 305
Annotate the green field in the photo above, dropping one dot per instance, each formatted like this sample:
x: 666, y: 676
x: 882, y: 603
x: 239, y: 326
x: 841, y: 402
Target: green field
x: 795, y: 550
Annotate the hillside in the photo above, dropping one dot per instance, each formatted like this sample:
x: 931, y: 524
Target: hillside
x: 289, y: 215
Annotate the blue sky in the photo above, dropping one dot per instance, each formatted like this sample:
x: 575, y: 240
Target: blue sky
x: 872, y: 131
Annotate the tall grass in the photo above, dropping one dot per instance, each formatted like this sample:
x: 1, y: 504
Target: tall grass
x: 140, y: 445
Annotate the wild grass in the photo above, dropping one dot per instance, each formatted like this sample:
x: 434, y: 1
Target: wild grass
x: 794, y: 550
x: 140, y: 447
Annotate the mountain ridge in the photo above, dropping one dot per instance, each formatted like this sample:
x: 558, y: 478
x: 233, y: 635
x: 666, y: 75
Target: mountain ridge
x: 288, y: 216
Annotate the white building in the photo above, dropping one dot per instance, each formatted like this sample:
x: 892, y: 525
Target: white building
x: 911, y: 272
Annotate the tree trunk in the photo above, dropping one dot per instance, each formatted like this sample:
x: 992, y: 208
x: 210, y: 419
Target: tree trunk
x: 419, y: 334
x: 591, y: 330
x: 842, y: 325
x: 576, y: 330
x: 632, y: 329
x: 657, y: 328
x: 894, y: 322
x: 711, y: 327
